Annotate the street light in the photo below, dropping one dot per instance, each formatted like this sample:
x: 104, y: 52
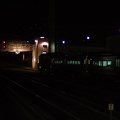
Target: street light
x: 63, y: 41
x: 88, y: 37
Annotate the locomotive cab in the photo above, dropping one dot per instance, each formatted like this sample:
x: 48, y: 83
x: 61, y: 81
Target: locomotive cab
x: 50, y: 62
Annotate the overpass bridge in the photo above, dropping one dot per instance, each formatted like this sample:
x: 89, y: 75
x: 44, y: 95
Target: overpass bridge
x: 39, y: 46
x: 16, y: 46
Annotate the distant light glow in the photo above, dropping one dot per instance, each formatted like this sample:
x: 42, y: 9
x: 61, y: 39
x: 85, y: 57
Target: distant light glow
x: 36, y: 41
x: 63, y: 41
x: 3, y: 42
x: 42, y: 37
x: 27, y: 41
x: 88, y: 37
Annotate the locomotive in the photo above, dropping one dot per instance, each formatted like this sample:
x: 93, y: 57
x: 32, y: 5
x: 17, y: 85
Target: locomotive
x: 59, y: 62
x: 95, y: 63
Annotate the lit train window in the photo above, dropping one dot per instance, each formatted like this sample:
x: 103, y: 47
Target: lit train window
x: 69, y: 62
x: 109, y: 63
x: 88, y: 61
x: 61, y: 61
x: 73, y: 62
x: 117, y: 62
x: 85, y: 61
x: 78, y: 62
x: 104, y: 63
x: 100, y: 63
x: 58, y: 62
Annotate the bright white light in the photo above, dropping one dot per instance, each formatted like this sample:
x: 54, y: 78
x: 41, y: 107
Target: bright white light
x: 34, y: 59
x: 42, y: 37
x: 36, y: 41
x: 63, y: 42
x: 88, y: 37
x: 44, y: 52
x: 44, y: 43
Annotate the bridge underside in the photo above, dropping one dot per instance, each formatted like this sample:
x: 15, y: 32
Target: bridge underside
x: 23, y: 58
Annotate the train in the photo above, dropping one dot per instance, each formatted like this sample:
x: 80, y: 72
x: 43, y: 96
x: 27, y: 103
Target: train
x: 59, y: 62
x: 87, y: 64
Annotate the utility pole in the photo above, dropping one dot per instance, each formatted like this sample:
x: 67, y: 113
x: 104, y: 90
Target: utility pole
x: 51, y: 27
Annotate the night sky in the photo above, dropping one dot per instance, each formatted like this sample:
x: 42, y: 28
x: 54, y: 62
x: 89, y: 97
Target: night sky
x: 73, y: 20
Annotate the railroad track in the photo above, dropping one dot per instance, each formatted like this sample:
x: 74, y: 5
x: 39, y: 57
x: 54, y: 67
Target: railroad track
x: 60, y: 102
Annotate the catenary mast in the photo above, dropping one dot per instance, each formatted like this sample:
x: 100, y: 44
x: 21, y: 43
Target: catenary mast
x: 51, y: 27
